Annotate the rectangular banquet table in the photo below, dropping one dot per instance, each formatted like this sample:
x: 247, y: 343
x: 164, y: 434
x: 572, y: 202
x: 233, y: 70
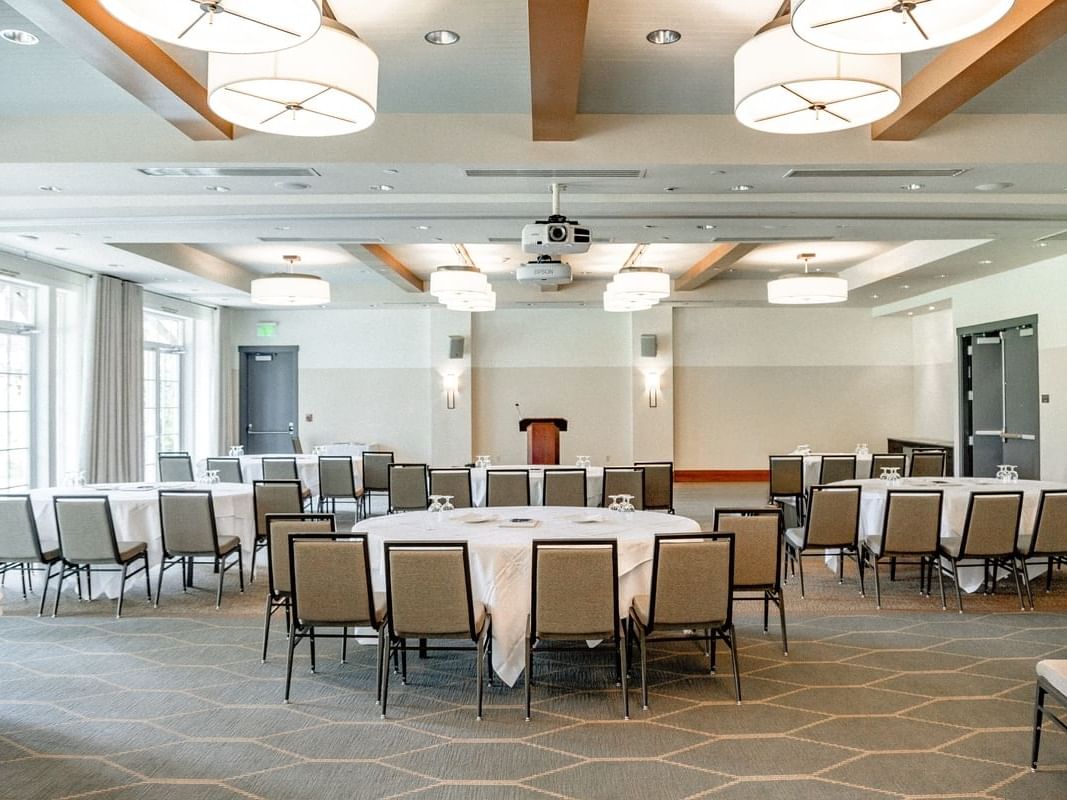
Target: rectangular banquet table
x: 594, y: 482
x: 501, y: 557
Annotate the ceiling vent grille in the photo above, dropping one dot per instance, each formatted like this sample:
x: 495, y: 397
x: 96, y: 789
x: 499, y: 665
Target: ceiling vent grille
x: 555, y: 173
x: 770, y: 239
x: 326, y: 239
x: 517, y: 240
x: 229, y: 172
x: 896, y: 174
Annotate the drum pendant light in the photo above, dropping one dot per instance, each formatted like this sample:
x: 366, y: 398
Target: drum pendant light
x: 290, y: 288
x: 807, y: 289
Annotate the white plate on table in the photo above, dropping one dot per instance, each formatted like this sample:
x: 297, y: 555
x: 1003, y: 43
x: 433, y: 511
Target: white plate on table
x: 475, y: 518
x: 585, y: 519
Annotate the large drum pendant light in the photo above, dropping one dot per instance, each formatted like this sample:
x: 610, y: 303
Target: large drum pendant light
x: 290, y: 288
x: 222, y: 26
x: 807, y: 289
x: 782, y: 84
x: 324, y: 87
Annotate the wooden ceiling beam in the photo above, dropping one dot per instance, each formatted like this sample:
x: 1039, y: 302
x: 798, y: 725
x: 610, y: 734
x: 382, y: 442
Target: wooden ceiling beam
x: 379, y: 259
x: 967, y: 68
x: 557, y: 41
x: 712, y: 264
x: 130, y: 59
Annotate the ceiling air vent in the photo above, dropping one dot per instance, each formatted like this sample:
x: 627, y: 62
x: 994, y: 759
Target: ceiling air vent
x: 771, y: 239
x: 229, y: 172
x: 896, y: 174
x: 326, y: 239
x: 555, y: 173
x: 517, y: 240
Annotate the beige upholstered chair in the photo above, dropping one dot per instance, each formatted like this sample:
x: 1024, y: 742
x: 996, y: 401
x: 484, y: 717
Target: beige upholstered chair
x: 279, y: 528
x: 337, y: 481
x: 990, y: 536
x: 407, y: 488
x: 927, y: 464
x: 564, y: 487
x: 575, y: 598
x: 1048, y: 539
x: 298, y: 447
x: 624, y: 480
x: 375, y: 476
x: 453, y: 482
x: 1051, y: 680
x: 832, y: 525
x: 911, y: 529
x: 880, y: 460
x: 758, y: 544
x: 87, y: 539
x: 787, y: 483
x: 659, y: 485
x: 330, y: 584
x: 277, y: 468
x: 428, y: 596
x: 691, y: 598
x: 20, y: 544
x: 187, y: 522
x: 837, y: 468
x: 175, y: 467
x: 272, y: 497
x: 229, y: 469
x: 507, y: 487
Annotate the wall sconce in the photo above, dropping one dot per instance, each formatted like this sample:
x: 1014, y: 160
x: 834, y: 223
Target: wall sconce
x: 652, y: 387
x: 451, y: 383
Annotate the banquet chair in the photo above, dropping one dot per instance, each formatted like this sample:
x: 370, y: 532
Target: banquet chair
x: 298, y: 448
x: 564, y: 487
x: 20, y: 544
x: 229, y: 469
x: 659, y: 485
x: 279, y: 528
x: 87, y: 539
x: 375, y: 476
x: 1048, y: 540
x: 330, y: 583
x: 837, y: 468
x: 284, y: 469
x: 831, y: 525
x: 428, y: 596
x: 407, y: 488
x: 624, y: 480
x: 337, y: 481
x: 927, y: 464
x: 880, y: 460
x: 990, y: 536
x: 189, y: 531
x: 507, y: 487
x: 575, y: 598
x: 691, y: 598
x: 787, y: 483
x: 1051, y: 680
x: 271, y: 497
x: 454, y: 482
x: 175, y: 467
x: 758, y: 544
x: 911, y: 528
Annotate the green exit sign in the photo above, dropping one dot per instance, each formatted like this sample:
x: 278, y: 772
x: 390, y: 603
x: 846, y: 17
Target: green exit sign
x: 266, y: 329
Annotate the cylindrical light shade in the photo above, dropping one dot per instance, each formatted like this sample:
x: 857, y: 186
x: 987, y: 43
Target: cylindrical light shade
x: 782, y: 84
x: 885, y: 26
x: 641, y: 282
x: 222, y: 26
x: 799, y: 290
x: 325, y: 87
x: 455, y: 281
x: 613, y: 301
x: 290, y: 289
x: 486, y: 301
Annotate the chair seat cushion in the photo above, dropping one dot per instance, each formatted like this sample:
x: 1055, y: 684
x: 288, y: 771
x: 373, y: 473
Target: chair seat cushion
x: 639, y: 608
x: 49, y: 556
x: 874, y: 543
x: 480, y: 616
x: 228, y: 544
x: 128, y: 550
x: 950, y: 546
x: 795, y: 536
x: 1055, y: 672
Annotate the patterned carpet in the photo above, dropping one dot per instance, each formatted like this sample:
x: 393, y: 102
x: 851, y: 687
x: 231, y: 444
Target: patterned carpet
x: 908, y: 702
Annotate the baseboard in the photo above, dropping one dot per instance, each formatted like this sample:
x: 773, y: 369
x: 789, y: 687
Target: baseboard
x: 722, y: 475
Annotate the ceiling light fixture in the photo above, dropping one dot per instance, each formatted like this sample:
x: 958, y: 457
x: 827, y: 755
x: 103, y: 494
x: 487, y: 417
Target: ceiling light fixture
x: 892, y: 26
x: 50, y: 188
x: 326, y: 86
x: 220, y: 189
x: 782, y: 84
x: 290, y: 288
x: 913, y: 187
x: 636, y: 289
x: 15, y: 36
x: 807, y: 289
x: 461, y: 287
x: 442, y: 37
x: 222, y: 26
x: 381, y: 187
x: 663, y: 36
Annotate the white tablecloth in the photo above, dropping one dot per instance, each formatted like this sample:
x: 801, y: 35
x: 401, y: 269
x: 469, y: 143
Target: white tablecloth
x: 594, y: 482
x: 501, y: 558
x: 307, y: 468
x: 135, y: 512
x: 813, y: 464
x: 354, y: 449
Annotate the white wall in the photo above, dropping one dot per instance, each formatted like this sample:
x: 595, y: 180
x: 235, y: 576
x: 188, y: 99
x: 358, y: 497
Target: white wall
x: 935, y: 404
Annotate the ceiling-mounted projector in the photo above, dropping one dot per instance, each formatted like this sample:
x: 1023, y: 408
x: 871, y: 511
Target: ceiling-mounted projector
x: 556, y: 235
x: 544, y: 272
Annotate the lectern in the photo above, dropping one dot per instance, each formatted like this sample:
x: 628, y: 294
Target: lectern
x: 542, y: 439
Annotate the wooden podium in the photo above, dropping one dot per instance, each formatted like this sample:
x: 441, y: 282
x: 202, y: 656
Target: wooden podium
x: 542, y: 439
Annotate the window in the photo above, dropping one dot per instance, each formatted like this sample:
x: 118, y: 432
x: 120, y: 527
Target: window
x: 164, y: 356
x: 17, y: 317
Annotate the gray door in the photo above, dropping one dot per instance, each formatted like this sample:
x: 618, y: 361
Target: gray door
x: 987, y: 404
x: 268, y: 416
x: 1021, y: 399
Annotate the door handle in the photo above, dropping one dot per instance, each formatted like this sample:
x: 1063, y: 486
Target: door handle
x: 273, y: 433
x: 1026, y: 437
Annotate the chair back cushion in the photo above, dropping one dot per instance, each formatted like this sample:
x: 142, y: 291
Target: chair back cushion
x: 992, y: 524
x: 376, y: 470
x: 927, y: 464
x: 787, y: 475
x: 880, y: 460
x: 188, y: 522
x: 86, y: 533
x: 692, y: 579
x: 18, y: 529
x: 1050, y: 529
x: 428, y: 591
x: 659, y: 484
x: 407, y: 487
x: 625, y: 480
x: 574, y: 590
x: 564, y: 487
x: 504, y: 487
x: 281, y: 527
x: 837, y: 468
x: 329, y: 581
x: 175, y: 468
x: 833, y: 520
x: 336, y: 477
x: 455, y: 483
x: 757, y: 540
x: 275, y: 497
x: 912, y: 522
x: 280, y: 469
x: 229, y: 469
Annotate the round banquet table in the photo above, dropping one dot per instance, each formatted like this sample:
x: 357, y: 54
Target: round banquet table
x: 135, y: 512
x: 307, y: 468
x: 594, y: 482
x: 501, y: 557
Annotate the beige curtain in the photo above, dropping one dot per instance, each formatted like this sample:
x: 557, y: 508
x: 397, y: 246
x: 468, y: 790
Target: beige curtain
x: 115, y: 427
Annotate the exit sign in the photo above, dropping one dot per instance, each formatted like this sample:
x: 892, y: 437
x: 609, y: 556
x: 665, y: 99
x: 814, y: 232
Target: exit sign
x: 266, y: 329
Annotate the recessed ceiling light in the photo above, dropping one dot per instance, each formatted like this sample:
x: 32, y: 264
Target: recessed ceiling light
x: 942, y: 275
x: 716, y: 172
x: 705, y: 227
x: 217, y: 188
x: 670, y: 188
x: 442, y: 37
x: 63, y: 249
x: 15, y: 36
x: 50, y: 188
x: 905, y: 286
x: 422, y: 227
x: 282, y: 228
x: 31, y: 236
x: 114, y: 266
x: 663, y: 36
x: 381, y: 187
x: 993, y: 187
x: 931, y: 308
x: 1042, y: 244
x: 874, y: 297
x: 651, y: 226
x: 292, y: 186
x: 985, y: 261
x: 913, y: 187
x: 391, y: 171
x: 741, y: 187
x: 911, y: 313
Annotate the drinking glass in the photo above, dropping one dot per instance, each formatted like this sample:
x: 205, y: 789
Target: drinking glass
x: 626, y: 505
x: 79, y: 479
x: 447, y: 507
x: 614, y: 504
x: 436, y: 502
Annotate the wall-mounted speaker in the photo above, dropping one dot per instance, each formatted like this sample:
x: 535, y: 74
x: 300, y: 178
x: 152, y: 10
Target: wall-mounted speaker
x: 648, y: 345
x: 455, y: 346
